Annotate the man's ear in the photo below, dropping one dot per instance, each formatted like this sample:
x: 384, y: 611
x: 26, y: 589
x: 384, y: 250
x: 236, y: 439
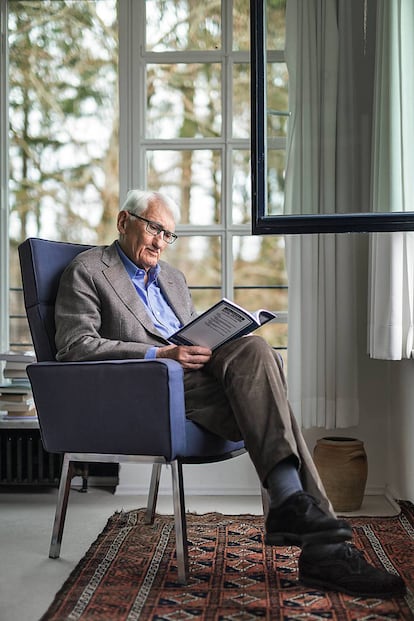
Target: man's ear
x: 121, y: 221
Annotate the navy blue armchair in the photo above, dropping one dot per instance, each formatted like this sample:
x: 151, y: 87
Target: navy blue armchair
x: 109, y: 411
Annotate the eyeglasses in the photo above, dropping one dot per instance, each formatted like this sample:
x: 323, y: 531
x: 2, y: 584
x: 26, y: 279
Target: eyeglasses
x: 155, y: 229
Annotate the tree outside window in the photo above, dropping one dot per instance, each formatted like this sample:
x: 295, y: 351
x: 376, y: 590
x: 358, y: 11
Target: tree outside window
x: 64, y: 137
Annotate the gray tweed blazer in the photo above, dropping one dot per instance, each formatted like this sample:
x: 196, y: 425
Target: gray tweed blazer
x: 99, y: 315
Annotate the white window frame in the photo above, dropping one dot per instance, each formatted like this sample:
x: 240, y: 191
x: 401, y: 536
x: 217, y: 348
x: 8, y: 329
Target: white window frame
x: 4, y: 180
x: 133, y: 59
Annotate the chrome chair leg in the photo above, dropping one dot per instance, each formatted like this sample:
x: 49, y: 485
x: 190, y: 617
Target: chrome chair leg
x: 153, y: 494
x: 61, y: 506
x: 265, y: 501
x: 180, y: 521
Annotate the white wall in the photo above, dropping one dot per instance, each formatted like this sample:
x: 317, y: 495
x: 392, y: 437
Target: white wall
x: 400, y: 430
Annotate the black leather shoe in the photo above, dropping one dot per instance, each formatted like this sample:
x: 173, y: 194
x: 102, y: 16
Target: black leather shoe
x: 347, y: 571
x: 299, y: 520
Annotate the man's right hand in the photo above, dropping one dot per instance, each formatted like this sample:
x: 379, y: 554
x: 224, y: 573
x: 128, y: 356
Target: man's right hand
x: 192, y: 357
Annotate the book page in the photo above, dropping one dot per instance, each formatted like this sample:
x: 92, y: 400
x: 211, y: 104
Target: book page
x: 217, y: 326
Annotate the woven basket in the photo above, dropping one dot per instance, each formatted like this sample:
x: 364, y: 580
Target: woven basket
x: 342, y: 466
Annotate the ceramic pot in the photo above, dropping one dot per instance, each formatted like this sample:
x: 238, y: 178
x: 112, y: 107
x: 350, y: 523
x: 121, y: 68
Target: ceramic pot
x: 343, y: 468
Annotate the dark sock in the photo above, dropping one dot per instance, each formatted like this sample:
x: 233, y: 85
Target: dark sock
x: 283, y: 481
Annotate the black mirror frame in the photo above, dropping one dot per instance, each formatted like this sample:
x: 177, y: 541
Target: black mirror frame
x: 263, y: 224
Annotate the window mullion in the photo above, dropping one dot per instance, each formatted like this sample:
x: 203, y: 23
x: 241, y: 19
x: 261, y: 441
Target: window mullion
x: 4, y: 181
x: 228, y: 281
x: 140, y: 98
x: 132, y: 69
x: 227, y: 107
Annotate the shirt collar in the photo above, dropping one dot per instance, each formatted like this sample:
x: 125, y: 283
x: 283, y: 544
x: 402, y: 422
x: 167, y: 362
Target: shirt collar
x: 134, y: 271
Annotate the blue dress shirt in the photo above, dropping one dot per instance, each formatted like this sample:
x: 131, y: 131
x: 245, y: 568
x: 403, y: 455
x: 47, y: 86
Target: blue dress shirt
x: 157, y: 307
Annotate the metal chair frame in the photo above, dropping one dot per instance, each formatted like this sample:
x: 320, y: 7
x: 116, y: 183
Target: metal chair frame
x: 180, y: 524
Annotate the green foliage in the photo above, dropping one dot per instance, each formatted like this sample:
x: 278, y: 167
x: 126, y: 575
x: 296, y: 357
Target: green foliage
x: 63, y: 72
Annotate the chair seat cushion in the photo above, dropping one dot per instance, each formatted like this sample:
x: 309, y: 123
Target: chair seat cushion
x: 202, y: 445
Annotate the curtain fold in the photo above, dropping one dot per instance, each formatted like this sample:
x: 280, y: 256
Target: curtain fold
x: 391, y: 308
x: 323, y: 362
x: 391, y: 281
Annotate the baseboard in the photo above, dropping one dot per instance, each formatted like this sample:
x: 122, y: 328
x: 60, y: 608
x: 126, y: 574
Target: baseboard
x: 96, y: 482
x: 392, y: 497
x: 130, y: 489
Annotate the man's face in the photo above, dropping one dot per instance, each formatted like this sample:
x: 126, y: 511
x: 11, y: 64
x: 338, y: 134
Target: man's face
x: 143, y: 248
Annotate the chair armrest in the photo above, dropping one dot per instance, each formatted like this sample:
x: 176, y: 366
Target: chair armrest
x: 133, y: 407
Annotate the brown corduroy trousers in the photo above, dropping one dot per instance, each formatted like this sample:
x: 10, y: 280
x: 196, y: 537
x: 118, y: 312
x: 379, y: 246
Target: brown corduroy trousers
x: 241, y: 394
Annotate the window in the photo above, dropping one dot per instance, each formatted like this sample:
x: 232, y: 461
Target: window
x: 334, y: 99
x: 63, y: 140
x: 182, y: 126
x: 191, y: 139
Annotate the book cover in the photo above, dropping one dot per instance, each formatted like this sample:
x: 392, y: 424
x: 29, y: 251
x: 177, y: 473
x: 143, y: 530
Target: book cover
x: 12, y: 406
x: 21, y: 387
x: 20, y: 416
x: 15, y: 356
x: 18, y: 397
x: 15, y: 373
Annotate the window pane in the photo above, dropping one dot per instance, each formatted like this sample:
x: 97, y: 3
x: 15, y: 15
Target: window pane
x: 63, y: 118
x: 199, y: 257
x: 19, y: 328
x: 260, y: 262
x: 276, y: 181
x: 241, y: 194
x: 277, y: 99
x: 183, y: 25
x: 63, y: 184
x: 183, y: 101
x: 241, y: 101
x: 275, y: 18
x: 192, y: 179
x: 260, y: 280
x: 275, y: 22
x: 241, y: 25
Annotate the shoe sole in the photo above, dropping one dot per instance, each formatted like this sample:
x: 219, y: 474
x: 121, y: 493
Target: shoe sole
x: 327, y: 586
x: 294, y: 539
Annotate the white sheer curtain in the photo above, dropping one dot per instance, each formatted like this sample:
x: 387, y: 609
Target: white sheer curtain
x: 391, y: 307
x: 322, y: 369
x: 391, y: 285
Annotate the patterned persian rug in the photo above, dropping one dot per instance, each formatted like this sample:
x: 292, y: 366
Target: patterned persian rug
x: 130, y: 573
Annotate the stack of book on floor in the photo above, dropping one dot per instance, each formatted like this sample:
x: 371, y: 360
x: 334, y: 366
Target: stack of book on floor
x: 16, y: 398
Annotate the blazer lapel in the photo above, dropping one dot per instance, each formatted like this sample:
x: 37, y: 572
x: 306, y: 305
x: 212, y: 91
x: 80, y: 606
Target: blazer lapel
x: 173, y: 292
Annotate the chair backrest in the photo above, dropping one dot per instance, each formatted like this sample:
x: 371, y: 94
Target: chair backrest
x: 42, y: 263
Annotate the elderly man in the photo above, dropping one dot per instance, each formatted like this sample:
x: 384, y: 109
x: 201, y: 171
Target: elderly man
x: 122, y: 301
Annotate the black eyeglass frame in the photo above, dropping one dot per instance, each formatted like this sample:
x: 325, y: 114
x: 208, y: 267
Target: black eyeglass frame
x: 158, y: 227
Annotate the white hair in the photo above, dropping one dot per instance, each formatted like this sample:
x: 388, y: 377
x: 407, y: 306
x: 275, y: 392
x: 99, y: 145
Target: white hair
x: 138, y: 201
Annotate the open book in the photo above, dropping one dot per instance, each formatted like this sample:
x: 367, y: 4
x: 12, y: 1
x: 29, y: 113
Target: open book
x: 219, y: 324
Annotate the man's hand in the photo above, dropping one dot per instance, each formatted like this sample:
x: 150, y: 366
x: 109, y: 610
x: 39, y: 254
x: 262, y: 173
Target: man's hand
x: 189, y: 356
